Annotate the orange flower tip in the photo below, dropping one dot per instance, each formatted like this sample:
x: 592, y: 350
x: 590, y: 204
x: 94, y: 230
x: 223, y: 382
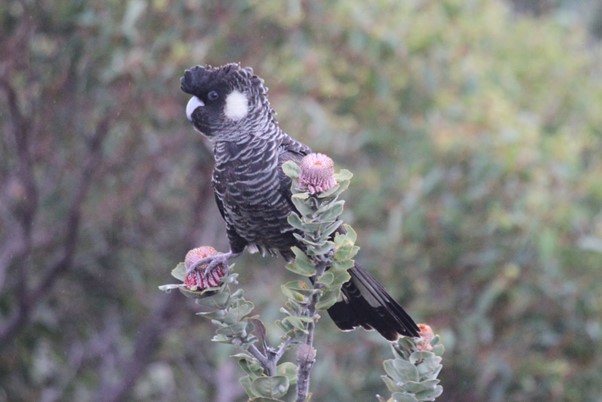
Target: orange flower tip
x: 197, y: 254
x: 426, y: 336
x: 317, y: 173
x: 425, y: 329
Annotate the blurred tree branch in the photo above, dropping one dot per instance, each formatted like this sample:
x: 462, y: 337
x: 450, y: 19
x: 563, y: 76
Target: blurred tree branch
x: 30, y: 293
x: 25, y: 207
x: 159, y: 321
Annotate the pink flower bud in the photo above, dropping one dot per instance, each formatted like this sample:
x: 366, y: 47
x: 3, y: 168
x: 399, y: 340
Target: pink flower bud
x: 306, y: 353
x: 426, y: 336
x: 317, y: 173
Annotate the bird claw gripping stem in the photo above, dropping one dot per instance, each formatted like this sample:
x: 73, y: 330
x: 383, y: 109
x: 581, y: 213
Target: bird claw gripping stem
x: 209, y: 278
x: 205, y: 269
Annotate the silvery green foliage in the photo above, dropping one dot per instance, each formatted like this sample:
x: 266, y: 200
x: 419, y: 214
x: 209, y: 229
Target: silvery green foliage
x: 322, y: 258
x: 411, y: 376
x: 317, y: 220
x: 229, y: 312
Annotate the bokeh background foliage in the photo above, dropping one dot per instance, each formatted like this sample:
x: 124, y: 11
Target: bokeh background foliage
x: 474, y: 131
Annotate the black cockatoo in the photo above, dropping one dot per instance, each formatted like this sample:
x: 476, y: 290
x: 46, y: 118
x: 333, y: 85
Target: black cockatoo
x: 229, y: 105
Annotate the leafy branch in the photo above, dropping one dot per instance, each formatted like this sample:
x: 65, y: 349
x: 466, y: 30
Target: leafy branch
x: 411, y: 376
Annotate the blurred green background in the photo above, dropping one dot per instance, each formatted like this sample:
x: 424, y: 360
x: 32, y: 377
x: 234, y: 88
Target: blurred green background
x: 473, y: 128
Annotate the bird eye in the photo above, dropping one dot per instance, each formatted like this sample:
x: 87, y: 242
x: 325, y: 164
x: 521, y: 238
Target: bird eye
x: 212, y: 95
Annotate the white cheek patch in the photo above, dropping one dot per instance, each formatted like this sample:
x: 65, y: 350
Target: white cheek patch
x: 237, y: 105
x: 191, y: 106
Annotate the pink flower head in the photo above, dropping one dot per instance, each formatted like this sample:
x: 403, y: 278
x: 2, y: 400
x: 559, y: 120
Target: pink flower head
x: 317, y: 173
x: 426, y: 336
x: 197, y: 279
x: 198, y: 253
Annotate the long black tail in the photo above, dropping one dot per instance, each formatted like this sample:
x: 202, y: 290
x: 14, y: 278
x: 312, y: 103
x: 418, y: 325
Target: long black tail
x: 366, y: 303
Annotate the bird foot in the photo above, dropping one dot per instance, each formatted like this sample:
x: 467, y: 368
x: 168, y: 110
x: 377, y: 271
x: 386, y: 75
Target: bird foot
x: 208, y: 272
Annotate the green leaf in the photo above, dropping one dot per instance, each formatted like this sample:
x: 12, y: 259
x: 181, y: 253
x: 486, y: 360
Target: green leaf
x: 239, y: 310
x: 301, y: 205
x: 340, y: 278
x: 297, y: 291
x: 289, y: 370
x: 285, y: 326
x: 332, y: 279
x: 329, y: 228
x: 430, y: 367
x: 301, y: 196
x: 416, y: 387
x: 295, y: 221
x: 237, y: 294
x: 331, y: 193
x: 326, y: 279
x: 233, y: 330
x: 291, y: 169
x: 345, y: 247
x: 292, y: 308
x: 328, y: 299
x: 246, y: 382
x: 429, y: 394
x: 330, y: 211
x: 438, y: 349
x: 402, y: 397
x: 179, y: 272
x: 243, y: 356
x: 258, y: 328
x: 304, y: 225
x: 300, y: 269
x: 315, y: 249
x: 214, y: 300
x: 341, y: 239
x: 169, y: 287
x: 419, y: 356
x: 301, y: 265
x: 400, y: 371
x: 297, y: 323
x: 404, y: 347
x: 199, y: 295
x: 335, y: 191
x: 341, y: 266
x: 220, y: 338
x: 273, y: 387
x: 249, y: 364
x: 389, y: 383
x: 350, y: 233
x: 345, y: 252
x: 343, y: 175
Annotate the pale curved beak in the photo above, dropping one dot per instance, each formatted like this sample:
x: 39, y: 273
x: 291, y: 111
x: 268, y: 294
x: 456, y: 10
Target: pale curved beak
x: 191, y: 106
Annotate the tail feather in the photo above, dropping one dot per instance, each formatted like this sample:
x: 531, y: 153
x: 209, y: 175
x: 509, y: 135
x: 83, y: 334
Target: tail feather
x: 366, y: 303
